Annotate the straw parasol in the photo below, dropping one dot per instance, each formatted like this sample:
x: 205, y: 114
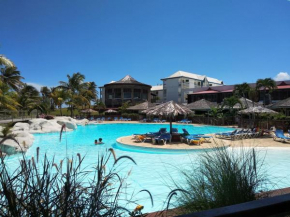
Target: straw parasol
x: 88, y: 110
x: 245, y: 103
x: 169, y: 109
x: 201, y: 105
x: 141, y: 106
x: 111, y: 111
x: 257, y: 110
x: 282, y: 104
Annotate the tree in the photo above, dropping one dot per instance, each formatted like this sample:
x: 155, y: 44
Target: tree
x: 4, y: 61
x: 11, y: 77
x: 45, y: 98
x: 28, y: 97
x: 73, y: 86
x: 99, y: 105
x: 8, y: 99
x: 59, y: 96
x: 242, y: 90
x: 216, y: 112
x: 88, y: 93
x: 230, y: 102
x: 268, y: 84
x: 124, y: 107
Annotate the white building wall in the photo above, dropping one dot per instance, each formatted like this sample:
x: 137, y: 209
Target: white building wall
x: 176, y: 89
x: 170, y: 89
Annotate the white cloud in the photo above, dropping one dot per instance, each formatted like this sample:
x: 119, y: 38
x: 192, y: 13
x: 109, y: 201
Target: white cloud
x: 37, y: 86
x: 281, y: 76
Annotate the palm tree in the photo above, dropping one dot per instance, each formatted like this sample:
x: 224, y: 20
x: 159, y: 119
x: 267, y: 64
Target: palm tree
x: 6, y: 62
x: 268, y: 84
x: 73, y: 86
x: 230, y: 102
x: 242, y: 90
x: 8, y: 99
x: 11, y: 77
x: 59, y: 96
x: 99, y: 105
x: 28, y: 97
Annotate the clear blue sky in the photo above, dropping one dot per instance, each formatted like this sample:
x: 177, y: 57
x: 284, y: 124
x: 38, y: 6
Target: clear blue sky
x: 235, y: 41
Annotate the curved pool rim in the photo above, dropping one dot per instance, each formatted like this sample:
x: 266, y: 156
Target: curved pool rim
x: 160, y: 150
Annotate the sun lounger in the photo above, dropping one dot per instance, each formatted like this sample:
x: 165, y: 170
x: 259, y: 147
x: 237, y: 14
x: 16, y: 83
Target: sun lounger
x: 226, y: 134
x: 195, y: 141
x: 279, y: 135
x: 140, y: 138
x: 154, y: 134
x: 165, y: 137
x: 185, y: 121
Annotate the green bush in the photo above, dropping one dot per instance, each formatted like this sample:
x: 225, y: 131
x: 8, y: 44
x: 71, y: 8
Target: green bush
x: 223, y: 177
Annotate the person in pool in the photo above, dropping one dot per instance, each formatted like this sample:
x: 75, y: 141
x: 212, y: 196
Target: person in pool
x: 99, y: 142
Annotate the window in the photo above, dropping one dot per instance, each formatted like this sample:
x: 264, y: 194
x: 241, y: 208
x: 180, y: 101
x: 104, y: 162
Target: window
x: 127, y: 93
x: 210, y: 85
x: 110, y: 93
x: 145, y: 94
x: 137, y: 93
x: 198, y: 83
x: 117, y: 93
x: 187, y: 81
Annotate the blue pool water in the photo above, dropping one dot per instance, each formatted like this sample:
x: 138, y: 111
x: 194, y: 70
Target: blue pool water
x: 154, y: 170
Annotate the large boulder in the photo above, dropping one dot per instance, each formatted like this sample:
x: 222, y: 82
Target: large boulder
x: 82, y: 122
x: 69, y: 124
x: 50, y: 126
x: 21, y: 127
x: 37, y: 123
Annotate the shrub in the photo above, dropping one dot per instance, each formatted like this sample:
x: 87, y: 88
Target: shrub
x: 223, y: 177
x: 58, y: 189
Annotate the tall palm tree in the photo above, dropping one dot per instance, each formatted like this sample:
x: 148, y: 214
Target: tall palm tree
x: 28, y: 97
x: 5, y: 61
x: 242, y: 90
x: 268, y: 84
x: 8, y: 99
x: 11, y: 77
x: 230, y: 102
x: 73, y: 86
x: 59, y: 96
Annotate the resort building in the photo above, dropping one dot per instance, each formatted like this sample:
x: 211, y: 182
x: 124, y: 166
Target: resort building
x: 115, y: 93
x: 157, y: 94
x: 218, y: 93
x: 177, y: 86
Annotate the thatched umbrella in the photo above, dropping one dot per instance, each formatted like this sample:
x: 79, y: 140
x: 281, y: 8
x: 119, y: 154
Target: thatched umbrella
x: 202, y: 105
x: 111, y: 111
x: 245, y: 103
x: 257, y: 110
x: 141, y: 107
x: 283, y: 104
x: 169, y: 109
x: 88, y: 110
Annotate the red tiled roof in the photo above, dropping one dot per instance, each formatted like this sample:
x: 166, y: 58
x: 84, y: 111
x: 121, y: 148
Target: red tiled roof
x: 206, y: 92
x: 283, y: 87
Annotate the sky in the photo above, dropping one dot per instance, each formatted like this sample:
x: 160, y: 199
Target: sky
x: 234, y: 41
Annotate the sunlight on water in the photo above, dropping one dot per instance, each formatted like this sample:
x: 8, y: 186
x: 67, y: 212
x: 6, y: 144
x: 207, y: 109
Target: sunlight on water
x: 153, y: 171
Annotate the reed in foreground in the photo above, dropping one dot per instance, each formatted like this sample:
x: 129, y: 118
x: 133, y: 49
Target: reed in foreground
x: 223, y: 177
x: 48, y: 188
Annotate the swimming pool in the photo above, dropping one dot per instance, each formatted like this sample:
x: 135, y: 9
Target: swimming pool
x: 153, y: 170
